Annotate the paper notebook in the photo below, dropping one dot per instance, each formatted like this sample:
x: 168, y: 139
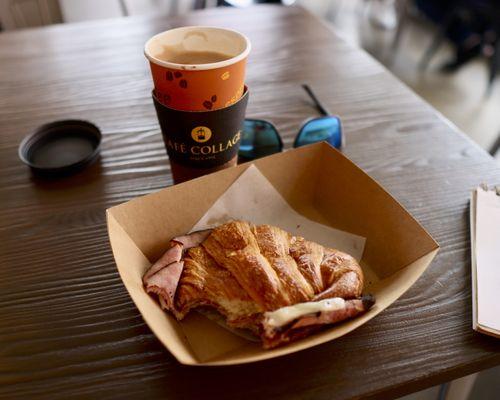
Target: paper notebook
x: 485, y: 253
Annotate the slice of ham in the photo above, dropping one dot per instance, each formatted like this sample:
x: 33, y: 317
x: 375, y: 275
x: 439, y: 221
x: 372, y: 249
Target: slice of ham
x: 192, y: 239
x: 163, y: 276
x: 274, y: 334
x: 172, y: 255
x: 164, y: 284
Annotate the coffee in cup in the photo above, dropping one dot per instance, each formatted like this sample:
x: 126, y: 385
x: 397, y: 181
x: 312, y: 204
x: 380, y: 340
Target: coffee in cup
x: 193, y: 57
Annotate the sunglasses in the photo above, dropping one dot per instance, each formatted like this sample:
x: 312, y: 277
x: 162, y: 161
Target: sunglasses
x: 261, y: 138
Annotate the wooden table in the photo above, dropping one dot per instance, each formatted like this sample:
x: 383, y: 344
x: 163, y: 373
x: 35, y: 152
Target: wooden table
x: 67, y: 326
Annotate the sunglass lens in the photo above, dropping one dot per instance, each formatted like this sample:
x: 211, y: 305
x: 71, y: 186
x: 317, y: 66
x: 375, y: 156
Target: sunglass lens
x: 259, y: 139
x: 321, y: 129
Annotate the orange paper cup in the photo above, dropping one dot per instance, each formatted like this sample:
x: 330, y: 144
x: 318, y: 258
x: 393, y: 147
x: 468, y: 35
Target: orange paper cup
x: 198, y: 87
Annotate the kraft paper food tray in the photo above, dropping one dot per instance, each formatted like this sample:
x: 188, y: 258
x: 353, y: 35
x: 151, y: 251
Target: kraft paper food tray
x: 318, y: 182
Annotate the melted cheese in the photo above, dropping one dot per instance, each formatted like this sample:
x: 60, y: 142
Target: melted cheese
x: 284, y: 315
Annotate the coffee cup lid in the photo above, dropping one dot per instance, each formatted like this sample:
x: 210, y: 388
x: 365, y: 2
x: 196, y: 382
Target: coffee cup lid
x: 61, y: 148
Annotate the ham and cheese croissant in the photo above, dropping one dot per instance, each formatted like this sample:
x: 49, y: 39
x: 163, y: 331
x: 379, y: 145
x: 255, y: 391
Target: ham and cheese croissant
x: 259, y: 277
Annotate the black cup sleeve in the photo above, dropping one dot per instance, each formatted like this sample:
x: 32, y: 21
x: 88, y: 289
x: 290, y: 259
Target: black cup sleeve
x: 202, y: 139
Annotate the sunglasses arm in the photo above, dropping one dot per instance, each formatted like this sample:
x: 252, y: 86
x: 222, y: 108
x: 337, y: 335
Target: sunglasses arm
x: 320, y: 107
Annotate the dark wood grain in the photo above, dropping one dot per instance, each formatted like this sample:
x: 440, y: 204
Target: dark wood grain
x: 68, y: 329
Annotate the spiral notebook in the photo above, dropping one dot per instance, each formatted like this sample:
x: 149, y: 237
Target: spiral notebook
x: 485, y: 253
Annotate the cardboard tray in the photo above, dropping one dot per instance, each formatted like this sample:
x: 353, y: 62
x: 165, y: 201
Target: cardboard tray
x: 319, y: 183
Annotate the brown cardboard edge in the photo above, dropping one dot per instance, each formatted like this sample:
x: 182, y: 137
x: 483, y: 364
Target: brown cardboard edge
x: 181, y: 353
x: 430, y: 244
x: 329, y: 147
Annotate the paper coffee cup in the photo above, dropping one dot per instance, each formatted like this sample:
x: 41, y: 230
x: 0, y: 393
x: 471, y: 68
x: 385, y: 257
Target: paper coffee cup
x: 198, y: 68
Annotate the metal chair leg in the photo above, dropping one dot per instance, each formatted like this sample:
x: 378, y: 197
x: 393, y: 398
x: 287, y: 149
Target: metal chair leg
x: 200, y: 4
x: 438, y: 40
x: 459, y: 389
x: 431, y: 51
x: 494, y: 66
x: 402, y: 7
x: 496, y: 146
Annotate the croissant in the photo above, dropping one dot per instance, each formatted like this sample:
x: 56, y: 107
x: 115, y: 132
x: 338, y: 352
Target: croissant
x: 259, y: 277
